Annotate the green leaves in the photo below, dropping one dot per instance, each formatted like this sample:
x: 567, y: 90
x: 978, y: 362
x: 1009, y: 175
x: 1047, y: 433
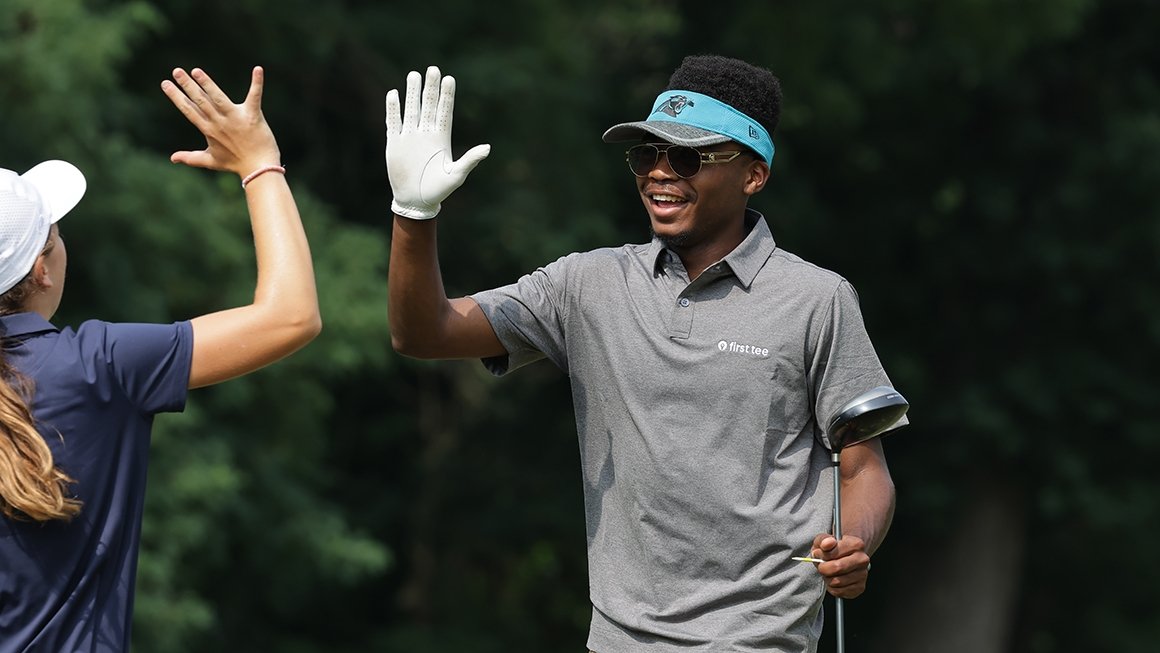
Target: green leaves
x: 983, y: 171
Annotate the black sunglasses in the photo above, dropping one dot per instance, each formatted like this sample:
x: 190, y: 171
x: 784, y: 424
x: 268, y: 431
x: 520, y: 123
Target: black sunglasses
x: 684, y: 160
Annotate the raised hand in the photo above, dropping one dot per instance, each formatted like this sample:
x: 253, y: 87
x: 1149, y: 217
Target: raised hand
x: 237, y: 137
x: 421, y: 168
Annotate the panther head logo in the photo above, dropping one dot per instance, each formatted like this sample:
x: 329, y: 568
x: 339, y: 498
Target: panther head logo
x: 674, y: 105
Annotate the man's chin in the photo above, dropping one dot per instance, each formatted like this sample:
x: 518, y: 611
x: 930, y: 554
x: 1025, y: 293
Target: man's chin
x: 669, y: 239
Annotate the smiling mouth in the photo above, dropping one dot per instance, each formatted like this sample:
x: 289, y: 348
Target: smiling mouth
x: 666, y: 199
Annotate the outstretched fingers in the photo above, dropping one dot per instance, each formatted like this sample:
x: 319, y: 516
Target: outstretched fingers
x: 237, y: 136
x: 411, y: 107
x: 471, y: 158
x: 446, y: 105
x: 209, y: 91
x: 190, y: 99
x: 394, y: 118
x: 257, y: 85
x: 186, y: 95
x: 430, y: 105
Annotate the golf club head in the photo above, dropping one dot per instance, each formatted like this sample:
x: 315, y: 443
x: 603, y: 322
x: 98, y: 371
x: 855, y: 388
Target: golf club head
x: 866, y: 416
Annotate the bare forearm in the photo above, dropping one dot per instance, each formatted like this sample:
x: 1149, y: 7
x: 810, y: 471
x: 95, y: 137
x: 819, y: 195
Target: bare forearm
x: 284, y: 315
x: 424, y: 322
x: 285, y: 270
x: 416, y: 300
x: 867, y: 494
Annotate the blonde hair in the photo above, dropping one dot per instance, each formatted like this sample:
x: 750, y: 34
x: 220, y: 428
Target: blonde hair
x: 32, y: 487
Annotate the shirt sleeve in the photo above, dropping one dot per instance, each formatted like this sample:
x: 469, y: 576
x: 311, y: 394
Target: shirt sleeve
x: 844, y: 363
x: 150, y: 363
x: 528, y: 317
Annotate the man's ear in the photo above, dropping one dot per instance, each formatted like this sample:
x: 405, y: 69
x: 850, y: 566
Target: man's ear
x: 758, y: 175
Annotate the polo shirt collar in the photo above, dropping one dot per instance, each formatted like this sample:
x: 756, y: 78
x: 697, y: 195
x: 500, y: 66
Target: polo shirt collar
x: 746, y: 260
x: 655, y: 254
x: 24, y: 324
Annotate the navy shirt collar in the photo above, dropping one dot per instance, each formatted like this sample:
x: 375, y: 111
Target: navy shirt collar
x: 18, y: 325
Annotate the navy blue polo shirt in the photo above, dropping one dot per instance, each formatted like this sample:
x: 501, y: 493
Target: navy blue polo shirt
x: 68, y: 586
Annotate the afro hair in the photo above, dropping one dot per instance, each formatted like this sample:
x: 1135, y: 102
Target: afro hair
x: 752, y: 90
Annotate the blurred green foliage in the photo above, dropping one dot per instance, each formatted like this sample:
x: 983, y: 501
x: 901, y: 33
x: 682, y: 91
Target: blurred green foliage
x: 983, y: 171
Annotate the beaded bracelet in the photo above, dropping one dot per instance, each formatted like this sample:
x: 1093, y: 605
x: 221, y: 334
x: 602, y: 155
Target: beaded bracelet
x: 260, y: 171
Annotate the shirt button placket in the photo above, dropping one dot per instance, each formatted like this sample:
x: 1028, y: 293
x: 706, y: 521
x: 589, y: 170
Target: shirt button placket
x: 682, y: 322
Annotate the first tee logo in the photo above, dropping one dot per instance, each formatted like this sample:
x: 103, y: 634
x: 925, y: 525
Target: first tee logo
x: 740, y: 348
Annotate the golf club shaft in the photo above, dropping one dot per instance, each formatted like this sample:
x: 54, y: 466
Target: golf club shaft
x: 836, y: 458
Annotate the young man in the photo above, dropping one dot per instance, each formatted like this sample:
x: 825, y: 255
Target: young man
x: 704, y: 366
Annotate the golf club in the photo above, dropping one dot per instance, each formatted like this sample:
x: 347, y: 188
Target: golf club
x: 863, y: 418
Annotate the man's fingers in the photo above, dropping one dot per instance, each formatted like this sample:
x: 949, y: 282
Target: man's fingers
x: 470, y: 159
x: 431, y: 90
x: 410, y: 107
x: 845, y: 580
x: 446, y: 106
x: 847, y: 592
x: 394, y: 119
x: 825, y: 546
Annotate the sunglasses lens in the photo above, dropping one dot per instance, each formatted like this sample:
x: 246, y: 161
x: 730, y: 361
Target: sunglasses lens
x: 685, y: 161
x: 642, y: 159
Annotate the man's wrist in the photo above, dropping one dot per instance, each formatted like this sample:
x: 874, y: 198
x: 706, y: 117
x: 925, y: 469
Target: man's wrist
x: 425, y: 212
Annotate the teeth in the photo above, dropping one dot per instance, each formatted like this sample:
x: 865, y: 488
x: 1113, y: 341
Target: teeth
x: 666, y: 198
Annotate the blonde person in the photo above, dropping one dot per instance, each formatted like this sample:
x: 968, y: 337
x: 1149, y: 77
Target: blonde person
x: 77, y: 405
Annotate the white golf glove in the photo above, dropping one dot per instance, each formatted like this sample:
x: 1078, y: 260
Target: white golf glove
x: 419, y: 162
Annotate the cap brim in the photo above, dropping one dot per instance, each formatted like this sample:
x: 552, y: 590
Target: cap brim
x: 672, y: 132
x: 61, y: 186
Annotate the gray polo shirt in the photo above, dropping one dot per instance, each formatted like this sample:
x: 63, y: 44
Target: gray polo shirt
x: 698, y: 408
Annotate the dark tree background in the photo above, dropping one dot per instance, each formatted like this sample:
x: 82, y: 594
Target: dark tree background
x: 984, y: 171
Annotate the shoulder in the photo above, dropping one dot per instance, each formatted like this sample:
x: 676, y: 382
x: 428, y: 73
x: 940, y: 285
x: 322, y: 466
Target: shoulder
x: 603, y: 259
x: 572, y: 277
x: 795, y: 270
x: 131, y: 342
x: 602, y: 255
x: 93, y: 331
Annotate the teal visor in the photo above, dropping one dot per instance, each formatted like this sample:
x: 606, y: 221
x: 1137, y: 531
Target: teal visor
x: 693, y: 119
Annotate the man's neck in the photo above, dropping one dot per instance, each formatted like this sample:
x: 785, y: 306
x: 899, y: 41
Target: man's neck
x: 700, y: 256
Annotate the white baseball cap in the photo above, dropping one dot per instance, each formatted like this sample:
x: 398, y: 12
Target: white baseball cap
x: 29, y: 204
